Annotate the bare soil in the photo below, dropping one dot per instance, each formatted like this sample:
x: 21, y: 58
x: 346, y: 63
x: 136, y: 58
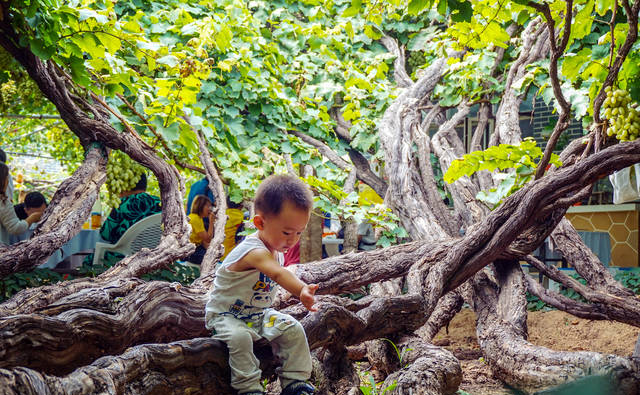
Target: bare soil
x: 554, y: 329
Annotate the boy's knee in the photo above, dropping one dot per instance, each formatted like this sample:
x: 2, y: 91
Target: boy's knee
x: 240, y: 340
x: 296, y: 331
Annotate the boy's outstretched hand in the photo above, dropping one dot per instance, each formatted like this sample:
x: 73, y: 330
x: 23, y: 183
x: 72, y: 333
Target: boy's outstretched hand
x: 307, y: 296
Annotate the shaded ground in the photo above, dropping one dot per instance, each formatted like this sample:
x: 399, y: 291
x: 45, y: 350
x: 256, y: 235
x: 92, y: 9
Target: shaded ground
x: 553, y: 329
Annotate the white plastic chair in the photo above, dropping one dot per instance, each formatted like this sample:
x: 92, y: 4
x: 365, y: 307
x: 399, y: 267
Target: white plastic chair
x: 145, y: 233
x: 332, y: 245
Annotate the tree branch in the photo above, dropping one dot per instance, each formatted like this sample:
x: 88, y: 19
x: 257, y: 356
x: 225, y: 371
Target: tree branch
x: 159, y: 137
x: 556, y: 52
x: 30, y: 116
x: 363, y: 170
x: 400, y: 75
x: 216, y: 246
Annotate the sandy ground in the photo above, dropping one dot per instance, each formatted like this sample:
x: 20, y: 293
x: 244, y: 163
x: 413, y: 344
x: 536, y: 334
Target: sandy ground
x: 553, y: 329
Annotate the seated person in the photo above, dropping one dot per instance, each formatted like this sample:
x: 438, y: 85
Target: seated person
x: 135, y: 204
x: 200, y: 235
x: 10, y: 189
x: 33, y: 201
x: 200, y: 187
x: 235, y: 218
x: 10, y: 224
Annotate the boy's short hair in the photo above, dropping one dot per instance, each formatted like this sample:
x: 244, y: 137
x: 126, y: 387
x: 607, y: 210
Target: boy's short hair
x: 198, y: 204
x: 277, y: 189
x: 34, y: 199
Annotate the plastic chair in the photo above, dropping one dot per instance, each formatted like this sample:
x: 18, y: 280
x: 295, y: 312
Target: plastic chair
x: 145, y: 233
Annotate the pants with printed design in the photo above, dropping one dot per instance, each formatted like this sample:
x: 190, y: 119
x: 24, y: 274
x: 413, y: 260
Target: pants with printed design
x: 285, y: 334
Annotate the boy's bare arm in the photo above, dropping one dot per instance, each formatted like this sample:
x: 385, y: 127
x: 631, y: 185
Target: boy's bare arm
x: 264, y: 262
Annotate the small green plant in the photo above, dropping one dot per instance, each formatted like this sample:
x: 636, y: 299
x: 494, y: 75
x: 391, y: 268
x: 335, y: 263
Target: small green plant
x: 372, y: 388
x: 534, y: 303
x: 630, y: 280
x: 400, y: 353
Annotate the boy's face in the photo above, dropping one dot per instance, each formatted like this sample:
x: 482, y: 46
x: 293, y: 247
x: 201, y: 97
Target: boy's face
x: 31, y: 210
x: 282, y: 231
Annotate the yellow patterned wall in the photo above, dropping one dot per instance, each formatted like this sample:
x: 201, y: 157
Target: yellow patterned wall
x: 622, y: 223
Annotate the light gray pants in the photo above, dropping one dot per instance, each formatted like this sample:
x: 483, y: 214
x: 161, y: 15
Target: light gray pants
x: 286, y: 336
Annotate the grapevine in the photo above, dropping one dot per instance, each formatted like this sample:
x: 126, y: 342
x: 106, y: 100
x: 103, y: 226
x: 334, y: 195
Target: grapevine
x: 623, y: 115
x: 123, y: 174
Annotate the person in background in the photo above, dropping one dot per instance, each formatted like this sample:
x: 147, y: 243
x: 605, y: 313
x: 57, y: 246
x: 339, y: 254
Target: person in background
x: 135, y: 204
x: 9, y: 191
x: 10, y: 224
x: 201, y: 235
x: 235, y: 218
x: 292, y: 255
x: 200, y: 187
x: 33, y: 201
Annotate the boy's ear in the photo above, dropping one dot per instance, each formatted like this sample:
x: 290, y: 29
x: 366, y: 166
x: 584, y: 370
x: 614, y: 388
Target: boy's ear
x: 258, y: 221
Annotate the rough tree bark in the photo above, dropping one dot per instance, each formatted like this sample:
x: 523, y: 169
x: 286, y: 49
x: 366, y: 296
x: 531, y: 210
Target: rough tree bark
x: 115, y: 319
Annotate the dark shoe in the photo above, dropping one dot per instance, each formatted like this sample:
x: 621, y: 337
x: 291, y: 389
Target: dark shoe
x: 299, y: 388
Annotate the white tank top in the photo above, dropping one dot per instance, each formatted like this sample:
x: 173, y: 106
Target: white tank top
x: 243, y: 295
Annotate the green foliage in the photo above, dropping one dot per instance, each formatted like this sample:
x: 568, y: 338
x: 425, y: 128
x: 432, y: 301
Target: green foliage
x: 469, y: 77
x: 535, y: 304
x: 246, y: 73
x: 243, y: 73
x: 519, y: 158
x: 630, y: 280
x: 16, y: 282
x: 371, y: 388
x: 177, y: 272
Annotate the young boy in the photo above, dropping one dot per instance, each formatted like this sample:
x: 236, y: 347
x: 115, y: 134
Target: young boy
x: 238, y: 310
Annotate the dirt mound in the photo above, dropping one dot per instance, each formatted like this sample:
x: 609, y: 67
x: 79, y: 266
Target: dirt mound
x: 554, y: 329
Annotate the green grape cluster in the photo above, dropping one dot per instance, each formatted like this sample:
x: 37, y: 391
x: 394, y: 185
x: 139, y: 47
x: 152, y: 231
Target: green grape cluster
x: 7, y: 91
x: 416, y: 59
x: 623, y: 115
x: 123, y: 173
